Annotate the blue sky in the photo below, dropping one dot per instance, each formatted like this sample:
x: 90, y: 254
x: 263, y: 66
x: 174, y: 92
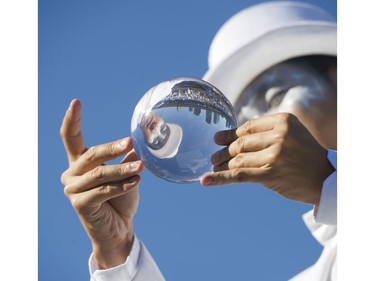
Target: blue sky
x: 108, y: 54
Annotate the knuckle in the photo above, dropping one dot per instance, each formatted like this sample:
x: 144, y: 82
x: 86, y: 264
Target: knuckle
x: 97, y: 173
x: 63, y: 178
x: 248, y: 125
x: 67, y: 190
x: 237, y: 161
x: 286, y: 120
x: 283, y: 117
x: 109, y: 189
x: 112, y: 149
x: 120, y: 170
x: 282, y: 120
x: 91, y: 154
x: 77, y: 203
x: 63, y: 131
x: 239, y: 174
x: 240, y: 145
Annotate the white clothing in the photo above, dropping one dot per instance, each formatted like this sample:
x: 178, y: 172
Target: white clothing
x: 144, y: 268
x: 140, y: 265
x: 325, y: 267
x: 326, y: 212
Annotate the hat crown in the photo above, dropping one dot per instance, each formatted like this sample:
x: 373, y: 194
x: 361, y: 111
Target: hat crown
x: 253, y: 22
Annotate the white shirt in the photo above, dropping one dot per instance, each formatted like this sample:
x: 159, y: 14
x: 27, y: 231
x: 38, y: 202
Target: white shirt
x: 139, y: 266
x: 321, y: 222
x: 326, y: 212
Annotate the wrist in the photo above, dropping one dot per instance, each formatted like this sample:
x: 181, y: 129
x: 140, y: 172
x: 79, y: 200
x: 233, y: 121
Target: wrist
x: 112, y: 253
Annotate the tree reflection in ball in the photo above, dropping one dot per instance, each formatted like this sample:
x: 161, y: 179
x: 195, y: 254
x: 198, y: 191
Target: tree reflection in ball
x: 173, y: 128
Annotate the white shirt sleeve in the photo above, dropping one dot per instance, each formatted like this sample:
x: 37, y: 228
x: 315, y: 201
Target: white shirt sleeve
x: 325, y: 267
x: 139, y: 266
x: 326, y: 212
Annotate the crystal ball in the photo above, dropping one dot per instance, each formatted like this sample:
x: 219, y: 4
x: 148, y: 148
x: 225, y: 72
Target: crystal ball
x: 173, y: 127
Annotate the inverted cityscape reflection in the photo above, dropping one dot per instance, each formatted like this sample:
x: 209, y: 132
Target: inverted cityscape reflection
x: 173, y: 128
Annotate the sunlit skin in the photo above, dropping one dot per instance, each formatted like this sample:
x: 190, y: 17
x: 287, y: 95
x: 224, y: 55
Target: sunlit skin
x: 274, y: 149
x: 291, y: 122
x: 105, y: 197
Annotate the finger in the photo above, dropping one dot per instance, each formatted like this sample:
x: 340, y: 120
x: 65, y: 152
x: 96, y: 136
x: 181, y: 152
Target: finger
x: 257, y: 159
x: 221, y: 156
x: 104, y: 175
x: 98, y: 155
x: 261, y: 124
x: 70, y: 131
x: 225, y: 137
x: 257, y: 125
x: 244, y: 144
x: 249, y: 175
x: 97, y: 196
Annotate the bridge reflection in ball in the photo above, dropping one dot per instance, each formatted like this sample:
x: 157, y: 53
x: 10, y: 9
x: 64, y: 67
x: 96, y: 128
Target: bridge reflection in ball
x: 173, y: 128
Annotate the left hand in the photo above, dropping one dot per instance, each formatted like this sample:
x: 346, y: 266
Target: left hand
x: 276, y: 151
x: 105, y: 197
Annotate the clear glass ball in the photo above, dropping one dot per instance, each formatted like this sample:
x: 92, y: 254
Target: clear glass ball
x: 173, y: 128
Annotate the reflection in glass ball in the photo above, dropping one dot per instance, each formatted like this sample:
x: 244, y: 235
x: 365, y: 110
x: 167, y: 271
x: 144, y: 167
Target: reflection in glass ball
x: 173, y: 128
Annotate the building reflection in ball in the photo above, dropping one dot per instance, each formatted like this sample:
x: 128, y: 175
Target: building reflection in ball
x: 173, y: 127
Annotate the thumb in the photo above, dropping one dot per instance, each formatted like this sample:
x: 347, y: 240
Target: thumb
x: 70, y: 131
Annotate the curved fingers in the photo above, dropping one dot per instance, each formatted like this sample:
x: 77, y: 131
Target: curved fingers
x: 95, y: 197
x: 103, y: 175
x: 256, y: 125
x: 264, y: 158
x: 98, y: 155
x: 244, y: 144
x: 252, y: 126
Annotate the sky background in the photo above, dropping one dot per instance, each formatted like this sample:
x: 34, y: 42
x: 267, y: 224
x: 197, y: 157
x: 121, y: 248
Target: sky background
x: 108, y: 54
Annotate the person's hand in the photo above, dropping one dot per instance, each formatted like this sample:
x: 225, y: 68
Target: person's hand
x: 105, y: 197
x: 276, y: 151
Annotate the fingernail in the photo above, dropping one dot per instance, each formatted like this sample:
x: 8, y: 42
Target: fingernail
x: 208, y: 181
x: 133, y: 165
x: 74, y: 105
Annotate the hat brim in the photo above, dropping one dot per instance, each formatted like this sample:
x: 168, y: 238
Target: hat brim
x: 234, y: 74
x: 172, y: 145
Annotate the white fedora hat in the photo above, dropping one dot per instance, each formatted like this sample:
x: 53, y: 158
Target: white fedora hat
x: 263, y: 35
x: 170, y: 148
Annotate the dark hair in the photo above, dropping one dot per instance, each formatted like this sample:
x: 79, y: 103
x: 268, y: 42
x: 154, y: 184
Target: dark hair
x: 320, y: 63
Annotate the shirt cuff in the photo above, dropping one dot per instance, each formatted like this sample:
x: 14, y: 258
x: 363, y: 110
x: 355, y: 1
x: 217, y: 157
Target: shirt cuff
x: 326, y: 212
x: 122, y: 272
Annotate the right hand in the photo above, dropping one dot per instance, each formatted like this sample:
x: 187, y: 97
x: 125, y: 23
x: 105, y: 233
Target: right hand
x: 276, y: 151
x: 105, y: 197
